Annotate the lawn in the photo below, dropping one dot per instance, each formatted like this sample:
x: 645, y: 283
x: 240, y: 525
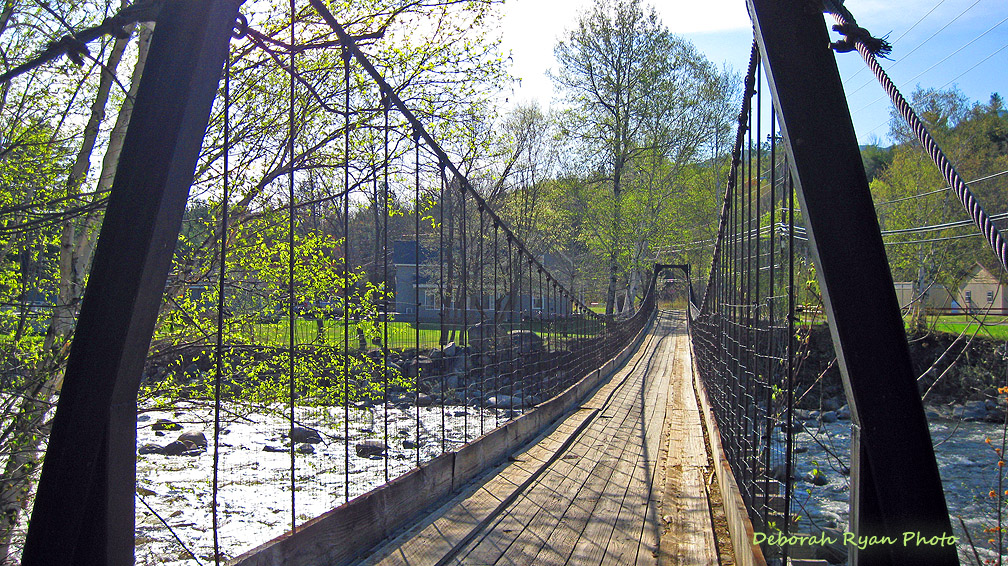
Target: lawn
x: 996, y: 331
x: 401, y: 334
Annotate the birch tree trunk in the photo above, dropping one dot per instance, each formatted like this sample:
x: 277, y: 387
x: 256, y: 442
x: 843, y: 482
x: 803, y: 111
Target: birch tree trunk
x: 30, y: 426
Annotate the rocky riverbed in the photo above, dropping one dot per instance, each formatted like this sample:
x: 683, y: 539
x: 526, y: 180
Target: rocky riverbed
x: 254, y: 483
x: 254, y: 480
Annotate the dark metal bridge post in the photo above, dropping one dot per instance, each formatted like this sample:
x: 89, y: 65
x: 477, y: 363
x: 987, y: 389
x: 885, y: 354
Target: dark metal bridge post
x: 895, y: 475
x: 84, y: 506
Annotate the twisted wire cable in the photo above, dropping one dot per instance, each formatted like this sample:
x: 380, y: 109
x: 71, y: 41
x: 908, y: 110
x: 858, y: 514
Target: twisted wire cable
x: 750, y: 89
x: 969, y: 201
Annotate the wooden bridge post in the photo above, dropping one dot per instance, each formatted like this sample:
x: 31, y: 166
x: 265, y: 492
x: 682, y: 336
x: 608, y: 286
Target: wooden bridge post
x: 84, y: 506
x: 896, y: 487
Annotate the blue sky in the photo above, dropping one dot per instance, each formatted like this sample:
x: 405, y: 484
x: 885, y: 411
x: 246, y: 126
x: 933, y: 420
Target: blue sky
x: 924, y: 32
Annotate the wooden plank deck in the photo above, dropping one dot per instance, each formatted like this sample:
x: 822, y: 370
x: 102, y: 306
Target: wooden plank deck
x: 618, y: 481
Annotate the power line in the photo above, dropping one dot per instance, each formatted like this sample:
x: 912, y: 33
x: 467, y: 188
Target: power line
x: 921, y: 44
x: 946, y: 225
x: 996, y: 51
x: 977, y: 180
x: 902, y: 35
x: 949, y: 56
x: 959, y: 76
x: 907, y: 242
x: 1000, y: 49
x: 927, y: 228
x: 932, y: 240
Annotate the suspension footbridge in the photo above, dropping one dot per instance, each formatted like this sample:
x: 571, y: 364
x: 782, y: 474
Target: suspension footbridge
x: 455, y: 400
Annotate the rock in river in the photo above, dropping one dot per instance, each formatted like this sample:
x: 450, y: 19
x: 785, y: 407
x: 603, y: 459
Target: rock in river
x: 165, y: 424
x: 370, y: 448
x: 300, y: 434
x: 194, y: 436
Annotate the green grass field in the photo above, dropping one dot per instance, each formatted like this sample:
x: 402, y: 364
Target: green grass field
x: 996, y: 331
x: 992, y: 326
x: 400, y: 334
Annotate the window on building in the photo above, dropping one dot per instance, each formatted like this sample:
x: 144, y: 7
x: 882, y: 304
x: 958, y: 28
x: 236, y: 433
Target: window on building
x: 969, y: 297
x: 990, y: 296
x: 536, y: 303
x: 430, y: 300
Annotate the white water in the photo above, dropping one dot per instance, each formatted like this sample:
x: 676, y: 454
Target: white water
x: 254, y: 499
x: 968, y: 468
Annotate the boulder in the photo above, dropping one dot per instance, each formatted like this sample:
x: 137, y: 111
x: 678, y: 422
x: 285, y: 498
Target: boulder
x: 180, y: 448
x: 802, y: 414
x: 832, y: 552
x: 933, y: 413
x: 504, y: 401
x: 195, y: 437
x: 409, y: 444
x: 484, y: 337
x: 450, y: 349
x: 831, y: 404
x: 423, y: 363
x: 165, y: 424
x: 828, y: 417
x: 301, y: 435
x: 393, y: 370
x: 424, y: 400
x: 843, y: 413
x: 779, y: 472
x: 995, y: 415
x: 149, y: 449
x: 524, y: 341
x: 974, y: 411
x: 498, y: 402
x: 305, y: 449
x: 269, y: 448
x: 458, y: 364
x: 369, y: 448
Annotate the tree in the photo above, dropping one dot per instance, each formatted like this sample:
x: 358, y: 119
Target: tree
x: 633, y: 89
x: 25, y: 420
x: 910, y: 198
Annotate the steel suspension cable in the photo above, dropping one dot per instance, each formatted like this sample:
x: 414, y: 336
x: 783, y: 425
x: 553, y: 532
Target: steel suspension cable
x: 292, y: 313
x: 482, y: 322
x: 346, y: 275
x: 416, y: 284
x: 385, y: 280
x: 441, y: 295
x: 464, y: 295
x: 219, y: 349
x: 736, y: 161
x: 351, y: 44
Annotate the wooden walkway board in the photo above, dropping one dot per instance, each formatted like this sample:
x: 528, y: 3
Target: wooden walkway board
x: 619, y: 481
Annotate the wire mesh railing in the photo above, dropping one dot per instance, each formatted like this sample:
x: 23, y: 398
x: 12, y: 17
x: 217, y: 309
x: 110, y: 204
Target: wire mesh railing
x: 777, y: 378
x: 744, y: 325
